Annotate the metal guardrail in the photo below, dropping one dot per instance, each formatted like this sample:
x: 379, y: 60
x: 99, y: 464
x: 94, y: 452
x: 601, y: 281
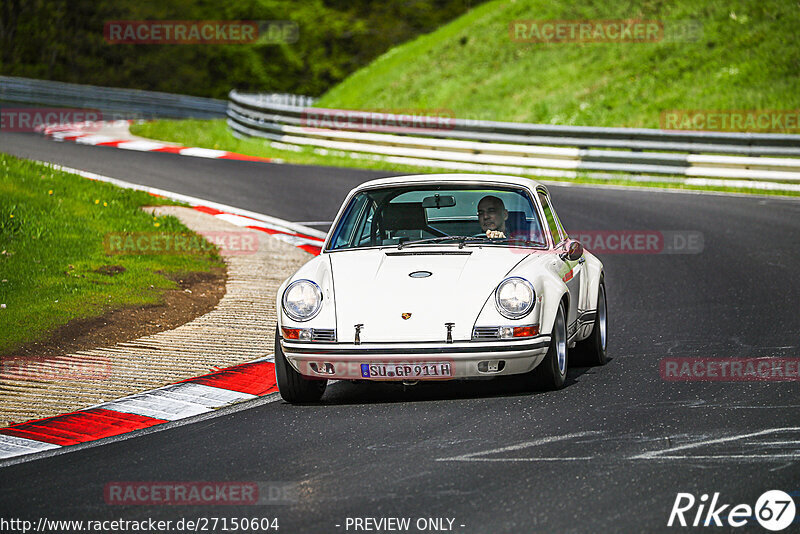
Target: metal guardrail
x: 282, y: 100
x: 115, y: 103
x: 552, y: 150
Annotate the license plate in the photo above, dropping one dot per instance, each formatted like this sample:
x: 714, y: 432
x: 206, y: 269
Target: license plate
x: 407, y: 370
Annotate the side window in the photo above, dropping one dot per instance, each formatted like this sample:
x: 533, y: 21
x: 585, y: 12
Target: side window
x: 552, y: 221
x: 365, y: 226
x: 343, y: 236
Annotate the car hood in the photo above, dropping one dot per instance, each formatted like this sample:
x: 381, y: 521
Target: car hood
x: 373, y: 288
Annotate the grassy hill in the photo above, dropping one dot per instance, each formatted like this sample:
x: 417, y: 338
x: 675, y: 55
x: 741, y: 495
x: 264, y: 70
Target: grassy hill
x: 746, y: 57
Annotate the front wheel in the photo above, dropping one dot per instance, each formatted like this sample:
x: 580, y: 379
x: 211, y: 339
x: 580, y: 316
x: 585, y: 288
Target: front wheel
x: 592, y: 350
x: 293, y: 386
x: 551, y: 373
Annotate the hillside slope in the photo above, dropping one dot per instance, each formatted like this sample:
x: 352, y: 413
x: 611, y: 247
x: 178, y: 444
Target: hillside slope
x: 745, y: 57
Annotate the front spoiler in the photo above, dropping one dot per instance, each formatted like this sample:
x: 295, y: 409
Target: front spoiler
x: 518, y: 356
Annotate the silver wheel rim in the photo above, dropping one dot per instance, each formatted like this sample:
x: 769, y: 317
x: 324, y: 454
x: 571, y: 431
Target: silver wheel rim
x: 561, y: 344
x: 601, y: 316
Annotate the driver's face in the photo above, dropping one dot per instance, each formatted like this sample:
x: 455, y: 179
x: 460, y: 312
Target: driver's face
x: 492, y: 215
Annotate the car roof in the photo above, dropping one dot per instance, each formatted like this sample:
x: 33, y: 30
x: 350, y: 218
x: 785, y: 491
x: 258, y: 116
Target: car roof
x: 455, y: 178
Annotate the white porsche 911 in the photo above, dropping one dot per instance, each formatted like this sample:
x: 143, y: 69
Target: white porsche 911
x: 440, y: 277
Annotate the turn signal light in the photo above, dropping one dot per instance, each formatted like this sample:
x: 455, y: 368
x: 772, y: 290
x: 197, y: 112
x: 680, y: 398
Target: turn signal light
x: 303, y: 334
x: 526, y: 331
x: 291, y: 333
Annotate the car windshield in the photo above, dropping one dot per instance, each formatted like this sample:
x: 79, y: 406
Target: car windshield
x: 438, y: 215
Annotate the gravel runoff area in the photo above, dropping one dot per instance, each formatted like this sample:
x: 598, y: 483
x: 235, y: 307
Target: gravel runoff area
x: 239, y: 329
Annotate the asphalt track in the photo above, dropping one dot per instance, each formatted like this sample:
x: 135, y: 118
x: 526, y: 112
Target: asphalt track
x: 608, y: 453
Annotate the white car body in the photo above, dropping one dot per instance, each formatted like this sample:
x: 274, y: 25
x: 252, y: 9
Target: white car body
x: 404, y: 319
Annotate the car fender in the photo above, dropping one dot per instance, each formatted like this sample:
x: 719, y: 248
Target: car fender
x: 318, y: 271
x: 553, y: 291
x: 593, y: 270
x: 549, y: 289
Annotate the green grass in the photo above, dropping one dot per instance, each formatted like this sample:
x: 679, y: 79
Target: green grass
x: 52, y: 227
x: 746, y: 58
x: 215, y: 134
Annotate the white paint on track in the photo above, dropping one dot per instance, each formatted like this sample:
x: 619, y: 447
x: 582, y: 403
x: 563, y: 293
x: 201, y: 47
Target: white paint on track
x: 13, y: 446
x: 158, y: 404
x: 177, y: 401
x: 753, y: 450
x: 208, y: 396
x: 277, y: 223
x: 142, y: 146
x: 202, y: 152
x: 667, y: 454
x: 94, y: 139
x: 474, y: 456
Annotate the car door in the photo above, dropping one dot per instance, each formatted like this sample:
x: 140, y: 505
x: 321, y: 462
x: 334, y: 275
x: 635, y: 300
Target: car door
x: 571, y: 272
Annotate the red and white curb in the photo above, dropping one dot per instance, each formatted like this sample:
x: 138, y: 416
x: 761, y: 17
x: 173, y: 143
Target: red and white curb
x: 300, y: 236
x: 82, y: 133
x: 311, y: 244
x: 189, y: 398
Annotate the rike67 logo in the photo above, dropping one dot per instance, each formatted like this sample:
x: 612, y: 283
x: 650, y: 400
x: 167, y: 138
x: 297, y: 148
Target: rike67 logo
x: 774, y: 510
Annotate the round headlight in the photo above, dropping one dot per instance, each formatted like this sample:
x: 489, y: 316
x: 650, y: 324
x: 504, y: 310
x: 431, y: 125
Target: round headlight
x: 514, y: 298
x: 302, y: 300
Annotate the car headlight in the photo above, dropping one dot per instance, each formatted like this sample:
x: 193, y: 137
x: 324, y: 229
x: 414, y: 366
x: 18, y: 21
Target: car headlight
x: 514, y: 297
x: 302, y: 300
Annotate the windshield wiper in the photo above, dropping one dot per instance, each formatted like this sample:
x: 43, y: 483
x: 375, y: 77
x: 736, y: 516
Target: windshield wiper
x: 441, y: 239
x: 496, y: 240
x: 463, y: 239
x: 514, y: 240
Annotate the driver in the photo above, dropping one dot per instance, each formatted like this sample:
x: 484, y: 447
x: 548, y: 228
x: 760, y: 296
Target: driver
x: 492, y: 216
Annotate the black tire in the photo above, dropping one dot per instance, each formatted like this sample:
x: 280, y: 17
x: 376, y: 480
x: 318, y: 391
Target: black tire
x: 551, y: 373
x: 593, y: 349
x: 293, y: 386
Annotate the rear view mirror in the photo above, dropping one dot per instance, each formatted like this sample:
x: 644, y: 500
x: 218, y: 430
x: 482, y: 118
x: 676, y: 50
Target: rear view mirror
x: 439, y: 201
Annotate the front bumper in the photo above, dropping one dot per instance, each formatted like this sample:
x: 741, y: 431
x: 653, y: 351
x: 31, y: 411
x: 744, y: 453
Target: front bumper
x: 468, y: 359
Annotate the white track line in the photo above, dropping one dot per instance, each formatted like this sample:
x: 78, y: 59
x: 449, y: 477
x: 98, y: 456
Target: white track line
x: 471, y: 457
x: 665, y: 453
x: 195, y: 201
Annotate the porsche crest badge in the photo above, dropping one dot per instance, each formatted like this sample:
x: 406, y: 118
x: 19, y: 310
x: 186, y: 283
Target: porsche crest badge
x: 406, y: 316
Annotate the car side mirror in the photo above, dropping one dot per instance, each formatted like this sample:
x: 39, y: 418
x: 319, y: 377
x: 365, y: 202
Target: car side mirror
x: 573, y: 251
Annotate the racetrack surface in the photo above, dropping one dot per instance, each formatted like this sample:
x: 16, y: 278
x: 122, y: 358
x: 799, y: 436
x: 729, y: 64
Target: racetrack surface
x: 607, y: 453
